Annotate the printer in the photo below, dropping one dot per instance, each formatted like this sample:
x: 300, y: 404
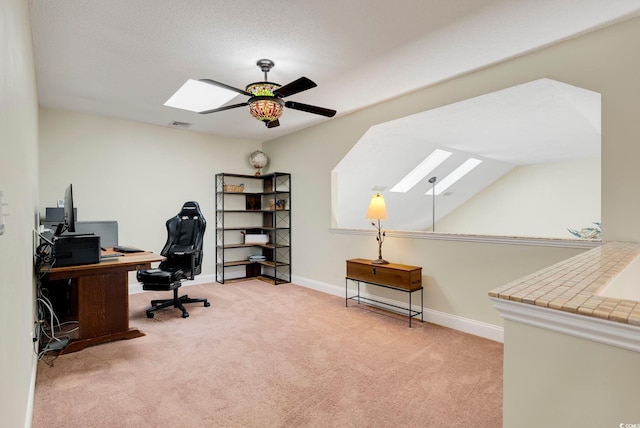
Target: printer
x: 73, y: 249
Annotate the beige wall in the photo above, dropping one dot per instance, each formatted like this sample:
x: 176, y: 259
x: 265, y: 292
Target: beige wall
x: 140, y: 174
x: 134, y: 173
x: 458, y: 275
x: 596, y: 387
x: 541, y: 200
x: 19, y: 183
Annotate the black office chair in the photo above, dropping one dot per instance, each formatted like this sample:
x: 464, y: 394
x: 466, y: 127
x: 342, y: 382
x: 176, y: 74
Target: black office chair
x: 183, y: 252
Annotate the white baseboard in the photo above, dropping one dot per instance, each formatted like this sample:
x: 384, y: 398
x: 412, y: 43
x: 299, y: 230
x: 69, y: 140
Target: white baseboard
x: 466, y: 325
x: 136, y: 287
x: 32, y: 393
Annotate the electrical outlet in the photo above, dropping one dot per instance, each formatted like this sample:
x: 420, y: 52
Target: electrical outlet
x: 35, y: 332
x: 3, y: 212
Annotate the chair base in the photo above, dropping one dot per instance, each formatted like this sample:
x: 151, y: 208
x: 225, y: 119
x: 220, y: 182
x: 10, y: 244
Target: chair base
x: 176, y: 302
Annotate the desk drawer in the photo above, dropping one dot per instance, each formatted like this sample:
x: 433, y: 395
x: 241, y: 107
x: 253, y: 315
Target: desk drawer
x: 393, y: 275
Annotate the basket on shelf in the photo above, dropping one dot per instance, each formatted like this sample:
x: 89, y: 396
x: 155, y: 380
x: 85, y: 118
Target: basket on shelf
x: 276, y: 205
x: 233, y: 188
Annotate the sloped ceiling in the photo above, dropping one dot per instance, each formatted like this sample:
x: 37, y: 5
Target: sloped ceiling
x: 543, y: 121
x: 124, y: 59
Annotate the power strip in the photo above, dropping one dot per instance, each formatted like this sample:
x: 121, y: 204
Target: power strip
x: 56, y: 345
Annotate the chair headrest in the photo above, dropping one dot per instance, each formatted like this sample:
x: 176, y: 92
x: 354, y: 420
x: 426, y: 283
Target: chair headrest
x: 190, y: 209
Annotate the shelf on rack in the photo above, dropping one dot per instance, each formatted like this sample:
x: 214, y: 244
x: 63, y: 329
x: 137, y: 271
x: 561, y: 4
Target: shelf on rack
x: 252, y: 228
x: 237, y: 263
x: 253, y: 211
x: 227, y: 246
x: 264, y: 278
x: 272, y: 264
x: 249, y: 262
x: 271, y: 279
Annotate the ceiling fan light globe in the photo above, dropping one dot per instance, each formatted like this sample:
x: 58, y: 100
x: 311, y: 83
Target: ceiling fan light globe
x: 262, y: 89
x: 266, y: 108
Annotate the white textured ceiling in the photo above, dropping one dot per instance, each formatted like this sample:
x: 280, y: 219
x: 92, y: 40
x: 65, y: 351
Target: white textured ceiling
x: 125, y: 58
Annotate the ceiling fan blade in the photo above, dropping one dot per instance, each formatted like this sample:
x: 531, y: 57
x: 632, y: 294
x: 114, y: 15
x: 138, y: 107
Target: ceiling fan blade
x: 222, y: 85
x: 273, y: 123
x: 302, y: 84
x: 310, y: 109
x: 223, y: 108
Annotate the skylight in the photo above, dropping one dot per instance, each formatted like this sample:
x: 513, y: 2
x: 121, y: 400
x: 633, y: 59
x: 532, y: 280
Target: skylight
x: 456, y: 175
x: 421, y: 171
x: 199, y: 96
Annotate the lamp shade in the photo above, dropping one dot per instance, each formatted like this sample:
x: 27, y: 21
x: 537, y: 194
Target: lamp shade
x: 263, y: 105
x: 377, y: 208
x: 266, y: 109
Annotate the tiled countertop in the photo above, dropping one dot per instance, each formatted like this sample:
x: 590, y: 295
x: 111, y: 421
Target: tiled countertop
x: 573, y: 285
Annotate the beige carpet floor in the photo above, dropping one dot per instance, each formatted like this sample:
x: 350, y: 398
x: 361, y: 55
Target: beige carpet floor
x: 274, y: 356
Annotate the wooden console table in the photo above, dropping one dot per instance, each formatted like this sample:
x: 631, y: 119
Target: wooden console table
x: 395, y: 276
x: 101, y: 302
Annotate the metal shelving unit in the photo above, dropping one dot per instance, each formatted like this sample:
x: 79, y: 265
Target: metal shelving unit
x: 262, y: 207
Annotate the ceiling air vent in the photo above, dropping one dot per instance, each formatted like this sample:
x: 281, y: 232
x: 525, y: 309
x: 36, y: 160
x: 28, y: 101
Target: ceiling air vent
x: 178, y: 124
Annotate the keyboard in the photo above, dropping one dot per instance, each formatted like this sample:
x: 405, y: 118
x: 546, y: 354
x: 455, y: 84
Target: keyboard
x: 110, y: 256
x: 126, y: 249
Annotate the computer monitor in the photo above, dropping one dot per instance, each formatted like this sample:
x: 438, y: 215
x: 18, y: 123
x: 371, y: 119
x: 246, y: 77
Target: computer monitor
x: 106, y: 230
x: 55, y: 215
x: 69, y: 220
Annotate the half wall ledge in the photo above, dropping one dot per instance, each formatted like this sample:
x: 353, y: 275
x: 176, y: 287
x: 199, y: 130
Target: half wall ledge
x: 489, y: 239
x: 566, y: 298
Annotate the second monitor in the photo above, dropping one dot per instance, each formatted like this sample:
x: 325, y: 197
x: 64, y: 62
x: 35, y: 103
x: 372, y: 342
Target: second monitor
x: 106, y: 230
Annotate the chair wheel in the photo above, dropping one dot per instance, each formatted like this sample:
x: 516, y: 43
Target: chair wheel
x: 149, y: 314
x: 207, y: 304
x: 185, y: 314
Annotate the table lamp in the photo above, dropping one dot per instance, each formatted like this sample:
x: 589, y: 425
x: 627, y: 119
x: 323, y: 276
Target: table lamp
x: 378, y: 211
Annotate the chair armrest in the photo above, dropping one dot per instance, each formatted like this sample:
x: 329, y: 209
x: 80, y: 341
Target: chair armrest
x: 192, y: 254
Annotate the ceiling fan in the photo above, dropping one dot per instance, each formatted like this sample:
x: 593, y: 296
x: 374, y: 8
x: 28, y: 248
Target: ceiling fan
x: 266, y: 98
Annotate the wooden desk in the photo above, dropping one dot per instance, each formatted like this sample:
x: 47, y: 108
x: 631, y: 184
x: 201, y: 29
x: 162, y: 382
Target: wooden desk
x: 392, y: 275
x: 102, y: 291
